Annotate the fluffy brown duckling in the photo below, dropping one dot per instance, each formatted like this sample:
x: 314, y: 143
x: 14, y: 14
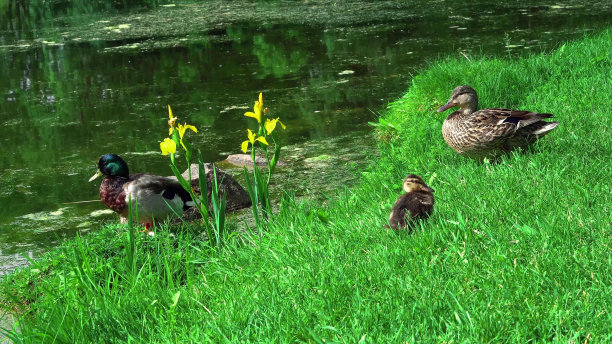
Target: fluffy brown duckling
x: 489, y: 133
x: 155, y: 194
x: 417, y: 202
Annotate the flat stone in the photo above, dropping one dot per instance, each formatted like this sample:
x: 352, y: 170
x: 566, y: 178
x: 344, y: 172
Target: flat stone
x: 246, y: 160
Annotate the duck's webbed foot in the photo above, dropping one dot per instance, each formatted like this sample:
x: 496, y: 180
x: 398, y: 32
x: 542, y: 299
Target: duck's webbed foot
x: 147, y: 230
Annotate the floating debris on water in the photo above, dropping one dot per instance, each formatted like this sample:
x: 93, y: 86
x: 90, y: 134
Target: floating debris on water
x: 84, y: 224
x: 347, y: 72
x: 101, y: 212
x: 51, y: 43
x: 141, y: 153
x: 318, y: 158
x: 44, y: 215
x: 57, y: 212
x: 234, y: 107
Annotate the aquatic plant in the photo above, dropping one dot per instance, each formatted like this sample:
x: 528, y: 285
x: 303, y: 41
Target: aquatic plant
x: 216, y: 232
x: 257, y: 186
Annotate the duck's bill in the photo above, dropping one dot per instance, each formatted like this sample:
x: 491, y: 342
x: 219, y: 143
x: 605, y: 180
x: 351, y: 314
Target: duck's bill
x: 99, y: 173
x: 446, y: 106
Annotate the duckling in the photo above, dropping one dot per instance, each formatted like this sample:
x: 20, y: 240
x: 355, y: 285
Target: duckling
x: 418, y: 201
x: 489, y: 133
x: 154, y: 194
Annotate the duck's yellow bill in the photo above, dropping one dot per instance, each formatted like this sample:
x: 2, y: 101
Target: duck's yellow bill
x: 99, y: 173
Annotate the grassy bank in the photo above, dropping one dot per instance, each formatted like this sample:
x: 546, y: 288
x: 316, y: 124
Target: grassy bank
x: 515, y: 252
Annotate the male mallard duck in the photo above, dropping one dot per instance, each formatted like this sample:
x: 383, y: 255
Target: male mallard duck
x: 418, y: 201
x: 489, y: 133
x: 154, y: 193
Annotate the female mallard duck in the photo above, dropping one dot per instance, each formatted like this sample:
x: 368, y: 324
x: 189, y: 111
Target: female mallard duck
x: 489, y: 133
x: 155, y: 195
x: 418, y: 201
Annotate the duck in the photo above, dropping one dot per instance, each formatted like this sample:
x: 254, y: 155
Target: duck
x: 489, y: 133
x: 417, y: 202
x: 157, y: 197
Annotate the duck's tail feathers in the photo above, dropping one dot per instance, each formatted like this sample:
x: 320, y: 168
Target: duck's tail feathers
x: 177, y: 190
x: 544, y: 128
x: 524, y: 118
x: 187, y: 201
x: 544, y: 115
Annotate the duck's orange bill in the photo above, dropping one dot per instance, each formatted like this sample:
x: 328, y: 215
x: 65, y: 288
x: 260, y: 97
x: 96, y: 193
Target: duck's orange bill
x: 446, y: 106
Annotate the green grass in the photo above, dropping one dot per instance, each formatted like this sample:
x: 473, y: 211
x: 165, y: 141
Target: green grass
x: 517, y: 251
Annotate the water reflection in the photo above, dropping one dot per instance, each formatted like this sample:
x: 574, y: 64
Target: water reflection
x: 76, y: 82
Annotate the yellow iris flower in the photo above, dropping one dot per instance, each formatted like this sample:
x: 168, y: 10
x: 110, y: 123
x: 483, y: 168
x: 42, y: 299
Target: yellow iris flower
x: 270, y: 125
x: 182, y: 129
x: 252, y: 138
x: 257, y: 109
x: 171, y: 121
x: 167, y: 146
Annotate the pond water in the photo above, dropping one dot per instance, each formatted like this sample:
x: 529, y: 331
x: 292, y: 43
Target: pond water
x: 77, y: 82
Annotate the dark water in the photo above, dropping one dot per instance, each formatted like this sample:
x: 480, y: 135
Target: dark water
x: 78, y: 81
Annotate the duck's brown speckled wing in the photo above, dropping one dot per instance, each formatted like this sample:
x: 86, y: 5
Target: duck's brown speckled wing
x: 487, y: 126
x: 521, y: 118
x: 496, y: 123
